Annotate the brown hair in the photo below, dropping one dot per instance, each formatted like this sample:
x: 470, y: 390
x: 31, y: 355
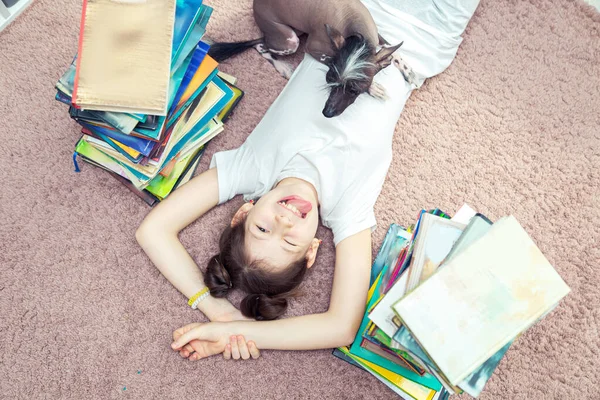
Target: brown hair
x: 268, y: 292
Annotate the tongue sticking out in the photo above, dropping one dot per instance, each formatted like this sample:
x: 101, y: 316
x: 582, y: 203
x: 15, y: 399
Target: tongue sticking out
x: 302, y: 205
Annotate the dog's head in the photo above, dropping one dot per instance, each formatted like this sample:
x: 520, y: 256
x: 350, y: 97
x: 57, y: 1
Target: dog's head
x: 351, y: 69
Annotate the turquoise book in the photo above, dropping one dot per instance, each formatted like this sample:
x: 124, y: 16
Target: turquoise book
x: 426, y: 380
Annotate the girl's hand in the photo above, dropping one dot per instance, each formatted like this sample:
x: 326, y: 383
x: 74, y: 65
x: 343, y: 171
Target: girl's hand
x: 238, y: 348
x: 197, y: 341
x: 194, y: 341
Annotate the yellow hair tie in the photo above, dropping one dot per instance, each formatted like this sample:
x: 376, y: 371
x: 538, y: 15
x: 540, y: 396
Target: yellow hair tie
x: 195, y: 299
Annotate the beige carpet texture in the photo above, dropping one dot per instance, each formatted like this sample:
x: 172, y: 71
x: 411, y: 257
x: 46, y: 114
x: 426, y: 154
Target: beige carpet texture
x: 511, y: 127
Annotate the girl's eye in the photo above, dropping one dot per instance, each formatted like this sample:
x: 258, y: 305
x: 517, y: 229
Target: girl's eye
x: 292, y: 244
x: 260, y: 228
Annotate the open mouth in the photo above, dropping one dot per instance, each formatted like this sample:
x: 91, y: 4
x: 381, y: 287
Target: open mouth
x: 297, y: 205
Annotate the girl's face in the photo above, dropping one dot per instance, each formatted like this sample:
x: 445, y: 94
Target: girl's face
x: 281, y: 226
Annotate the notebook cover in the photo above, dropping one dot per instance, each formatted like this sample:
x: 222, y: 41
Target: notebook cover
x: 133, y: 155
x: 482, y: 299
x: 197, y: 116
x: 114, y: 36
x: 402, y: 386
x: 162, y: 186
x: 85, y: 149
x: 124, y: 122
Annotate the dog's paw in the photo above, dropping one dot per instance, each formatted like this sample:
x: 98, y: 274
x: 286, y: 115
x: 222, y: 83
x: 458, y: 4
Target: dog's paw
x: 285, y: 69
x: 378, y: 91
x: 406, y: 70
x: 261, y: 49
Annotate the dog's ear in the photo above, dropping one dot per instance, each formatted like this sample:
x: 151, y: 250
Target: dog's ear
x: 383, y: 58
x: 336, y: 37
x: 382, y: 41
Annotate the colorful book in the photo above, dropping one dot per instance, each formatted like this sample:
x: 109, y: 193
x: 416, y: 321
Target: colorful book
x: 194, y: 36
x: 161, y: 186
x: 205, y: 74
x: 433, y: 243
x: 144, y: 146
x: 194, y: 63
x: 238, y: 94
x: 355, y: 349
x: 186, y: 15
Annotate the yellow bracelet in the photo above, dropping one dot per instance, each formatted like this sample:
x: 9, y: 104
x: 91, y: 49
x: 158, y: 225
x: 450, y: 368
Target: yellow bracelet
x: 195, y: 297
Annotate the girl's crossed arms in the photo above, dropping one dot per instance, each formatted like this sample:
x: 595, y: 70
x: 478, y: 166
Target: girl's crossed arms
x: 267, y: 249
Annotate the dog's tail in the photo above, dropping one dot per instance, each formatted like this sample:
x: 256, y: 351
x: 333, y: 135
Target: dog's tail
x: 223, y: 51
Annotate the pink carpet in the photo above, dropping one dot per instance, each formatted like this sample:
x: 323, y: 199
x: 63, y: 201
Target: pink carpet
x: 512, y: 127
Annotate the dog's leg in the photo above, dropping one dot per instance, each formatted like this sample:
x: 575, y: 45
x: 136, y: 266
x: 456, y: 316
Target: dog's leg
x: 378, y: 91
x: 279, y: 40
x: 406, y: 70
x: 285, y: 69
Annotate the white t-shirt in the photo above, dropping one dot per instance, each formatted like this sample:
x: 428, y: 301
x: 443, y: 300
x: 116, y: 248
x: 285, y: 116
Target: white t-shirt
x: 346, y: 158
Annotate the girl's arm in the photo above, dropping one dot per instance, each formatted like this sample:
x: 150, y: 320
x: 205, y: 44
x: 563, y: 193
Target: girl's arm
x: 158, y: 236
x: 333, y: 328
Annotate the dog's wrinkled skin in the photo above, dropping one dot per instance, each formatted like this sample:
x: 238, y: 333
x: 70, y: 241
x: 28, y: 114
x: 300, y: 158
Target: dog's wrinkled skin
x: 340, y: 33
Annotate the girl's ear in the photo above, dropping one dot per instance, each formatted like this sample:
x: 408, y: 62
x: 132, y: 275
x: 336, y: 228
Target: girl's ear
x: 241, y: 214
x: 311, y: 254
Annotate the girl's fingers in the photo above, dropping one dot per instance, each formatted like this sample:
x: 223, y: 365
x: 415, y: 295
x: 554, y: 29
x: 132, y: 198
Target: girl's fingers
x: 186, y: 351
x: 243, y: 348
x: 254, y: 352
x: 186, y: 337
x: 227, y: 352
x: 235, y: 351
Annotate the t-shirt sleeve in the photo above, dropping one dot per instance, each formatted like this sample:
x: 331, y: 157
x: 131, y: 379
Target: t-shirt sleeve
x: 352, y: 215
x: 237, y: 172
x: 362, y: 221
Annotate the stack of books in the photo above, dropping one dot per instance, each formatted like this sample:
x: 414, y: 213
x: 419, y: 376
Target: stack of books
x: 145, y: 92
x: 448, y: 297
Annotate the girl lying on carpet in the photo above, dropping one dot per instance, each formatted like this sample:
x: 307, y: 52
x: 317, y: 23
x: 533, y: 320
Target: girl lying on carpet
x: 295, y: 166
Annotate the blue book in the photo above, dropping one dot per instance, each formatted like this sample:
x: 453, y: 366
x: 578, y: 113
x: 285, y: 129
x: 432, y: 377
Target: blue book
x: 196, y: 59
x: 194, y: 37
x: 187, y: 13
x: 144, y: 146
x: 117, y: 148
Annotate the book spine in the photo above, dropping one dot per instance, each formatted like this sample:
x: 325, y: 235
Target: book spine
x: 79, y: 49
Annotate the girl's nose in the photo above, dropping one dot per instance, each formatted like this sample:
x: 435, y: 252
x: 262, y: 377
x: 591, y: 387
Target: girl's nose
x: 285, y: 221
